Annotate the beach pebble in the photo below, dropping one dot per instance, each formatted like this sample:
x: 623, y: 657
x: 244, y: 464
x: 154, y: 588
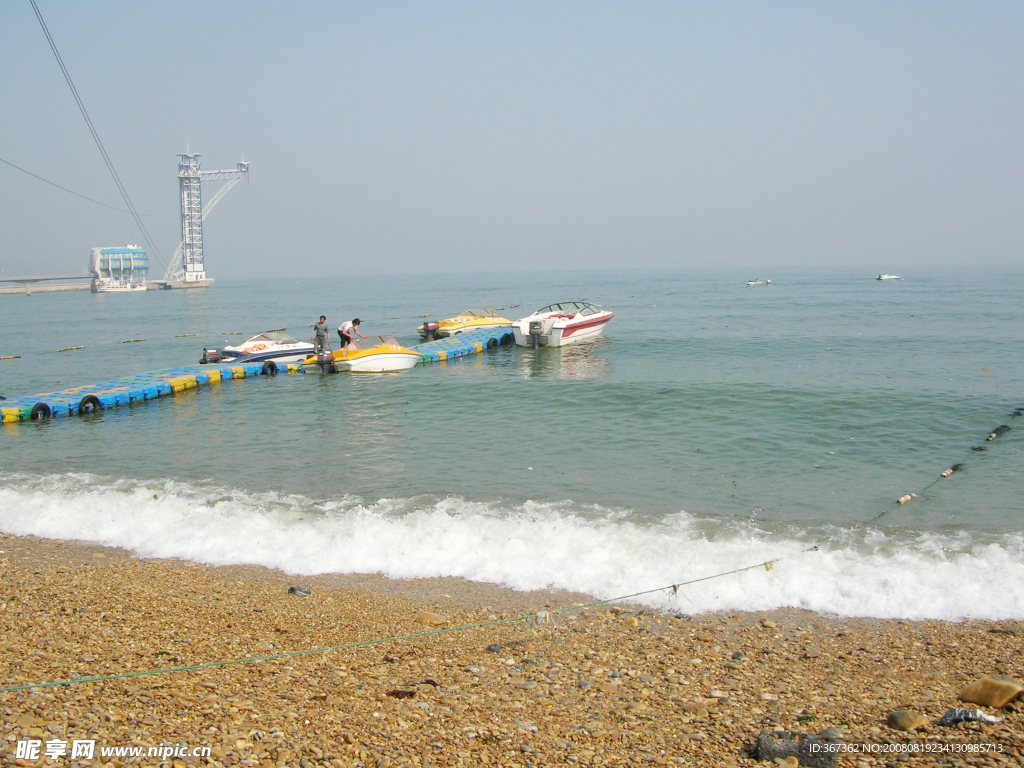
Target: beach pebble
x: 299, y: 591
x: 992, y: 691
x: 430, y: 619
x: 903, y: 720
x: 810, y: 751
x: 494, y: 648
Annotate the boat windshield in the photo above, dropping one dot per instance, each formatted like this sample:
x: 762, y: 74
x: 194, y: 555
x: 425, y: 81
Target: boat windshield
x: 272, y: 337
x: 480, y: 313
x: 564, y: 307
x: 372, y: 342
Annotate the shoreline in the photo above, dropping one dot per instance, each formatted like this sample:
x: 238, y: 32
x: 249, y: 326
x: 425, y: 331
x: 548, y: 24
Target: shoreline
x: 600, y: 685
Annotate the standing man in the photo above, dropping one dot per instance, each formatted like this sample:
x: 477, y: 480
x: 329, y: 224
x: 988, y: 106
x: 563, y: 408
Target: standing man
x: 320, y: 337
x: 347, y: 331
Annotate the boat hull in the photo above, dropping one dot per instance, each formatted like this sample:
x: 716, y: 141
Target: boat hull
x: 584, y: 329
x: 383, y: 362
x: 445, y: 333
x: 278, y: 356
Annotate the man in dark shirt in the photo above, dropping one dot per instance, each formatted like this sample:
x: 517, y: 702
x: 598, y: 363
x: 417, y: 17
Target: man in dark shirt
x: 320, y: 337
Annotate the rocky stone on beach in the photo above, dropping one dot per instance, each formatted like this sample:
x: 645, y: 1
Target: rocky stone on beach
x: 300, y: 591
x: 494, y: 648
x: 810, y: 751
x: 992, y: 691
x: 902, y: 720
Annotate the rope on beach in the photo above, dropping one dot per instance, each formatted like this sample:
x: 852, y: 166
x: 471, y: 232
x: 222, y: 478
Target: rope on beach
x: 532, y: 620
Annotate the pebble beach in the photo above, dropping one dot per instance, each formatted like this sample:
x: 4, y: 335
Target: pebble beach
x: 581, y: 684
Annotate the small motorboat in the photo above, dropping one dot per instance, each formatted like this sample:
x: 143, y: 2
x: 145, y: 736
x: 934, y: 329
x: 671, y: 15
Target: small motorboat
x: 559, y: 324
x: 888, y: 277
x: 470, y: 320
x: 756, y: 282
x: 264, y: 347
x: 374, y: 354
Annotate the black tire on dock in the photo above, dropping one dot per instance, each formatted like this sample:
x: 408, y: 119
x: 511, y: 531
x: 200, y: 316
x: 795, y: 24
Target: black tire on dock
x: 270, y: 368
x: 40, y: 411
x: 492, y: 343
x: 508, y: 338
x: 89, y: 404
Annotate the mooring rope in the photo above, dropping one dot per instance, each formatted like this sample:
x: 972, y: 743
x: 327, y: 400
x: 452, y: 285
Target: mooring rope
x: 532, y: 619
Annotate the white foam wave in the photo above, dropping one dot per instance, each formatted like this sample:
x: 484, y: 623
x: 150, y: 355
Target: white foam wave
x: 530, y: 546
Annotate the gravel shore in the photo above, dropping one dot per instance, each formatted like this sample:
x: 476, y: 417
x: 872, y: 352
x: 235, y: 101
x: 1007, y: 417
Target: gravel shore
x: 605, y: 685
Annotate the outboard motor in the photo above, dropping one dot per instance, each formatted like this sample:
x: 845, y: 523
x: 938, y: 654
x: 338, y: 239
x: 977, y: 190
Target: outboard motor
x: 536, y: 331
x: 211, y: 356
x: 326, y: 362
x: 430, y: 330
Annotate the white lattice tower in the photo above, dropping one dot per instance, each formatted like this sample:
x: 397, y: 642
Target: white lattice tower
x: 188, y: 264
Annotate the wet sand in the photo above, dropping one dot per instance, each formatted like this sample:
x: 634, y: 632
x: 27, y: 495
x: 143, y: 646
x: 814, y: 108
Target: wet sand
x: 606, y: 685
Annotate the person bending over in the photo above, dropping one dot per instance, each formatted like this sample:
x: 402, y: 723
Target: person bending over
x: 348, y: 330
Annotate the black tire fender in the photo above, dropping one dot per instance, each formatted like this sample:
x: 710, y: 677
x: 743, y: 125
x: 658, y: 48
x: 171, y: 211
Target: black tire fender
x: 89, y: 404
x: 270, y: 368
x: 40, y: 411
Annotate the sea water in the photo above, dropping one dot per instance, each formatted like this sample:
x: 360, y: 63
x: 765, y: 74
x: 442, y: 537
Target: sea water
x: 713, y: 427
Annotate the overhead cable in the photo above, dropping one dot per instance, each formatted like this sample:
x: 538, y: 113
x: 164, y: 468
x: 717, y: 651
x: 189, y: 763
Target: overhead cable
x: 96, y: 137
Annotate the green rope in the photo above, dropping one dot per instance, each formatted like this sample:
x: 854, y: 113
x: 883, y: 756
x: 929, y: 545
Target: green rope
x: 530, y: 618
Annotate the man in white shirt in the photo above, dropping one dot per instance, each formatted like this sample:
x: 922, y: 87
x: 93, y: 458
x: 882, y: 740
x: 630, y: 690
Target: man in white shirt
x: 347, y: 332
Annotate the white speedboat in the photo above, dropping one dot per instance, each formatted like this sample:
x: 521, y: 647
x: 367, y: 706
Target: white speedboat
x: 756, y: 282
x: 888, y: 277
x: 374, y: 354
x: 262, y: 348
x: 560, y: 324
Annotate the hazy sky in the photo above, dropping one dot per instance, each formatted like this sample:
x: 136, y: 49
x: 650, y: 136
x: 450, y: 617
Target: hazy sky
x: 411, y: 137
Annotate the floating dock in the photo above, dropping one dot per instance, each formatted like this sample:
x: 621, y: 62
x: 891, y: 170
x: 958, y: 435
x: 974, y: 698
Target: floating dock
x: 131, y: 389
x: 465, y: 344
x: 150, y: 386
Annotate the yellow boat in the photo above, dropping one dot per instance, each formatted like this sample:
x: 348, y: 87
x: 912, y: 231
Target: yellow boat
x: 470, y: 320
x: 374, y: 354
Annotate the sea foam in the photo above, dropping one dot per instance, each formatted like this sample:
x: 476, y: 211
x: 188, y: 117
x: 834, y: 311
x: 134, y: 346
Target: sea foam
x: 534, y: 545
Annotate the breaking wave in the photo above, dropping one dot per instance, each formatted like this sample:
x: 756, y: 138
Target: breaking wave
x: 601, y: 551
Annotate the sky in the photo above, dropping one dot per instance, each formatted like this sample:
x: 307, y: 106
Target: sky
x: 411, y: 137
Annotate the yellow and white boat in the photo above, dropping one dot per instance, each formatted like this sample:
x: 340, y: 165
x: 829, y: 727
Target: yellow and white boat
x: 374, y: 354
x: 470, y: 320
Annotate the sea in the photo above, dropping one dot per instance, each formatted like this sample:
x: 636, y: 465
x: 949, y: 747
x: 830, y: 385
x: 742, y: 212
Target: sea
x: 721, y: 447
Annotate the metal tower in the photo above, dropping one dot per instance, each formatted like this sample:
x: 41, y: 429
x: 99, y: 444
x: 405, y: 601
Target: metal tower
x: 187, y: 264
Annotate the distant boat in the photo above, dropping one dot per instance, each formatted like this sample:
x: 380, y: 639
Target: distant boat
x: 888, y: 277
x: 755, y: 282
